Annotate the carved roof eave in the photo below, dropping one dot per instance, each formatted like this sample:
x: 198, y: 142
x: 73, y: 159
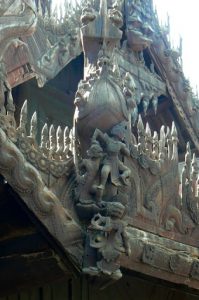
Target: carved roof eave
x: 43, y: 54
x: 176, y: 97
x: 161, y: 258
x: 27, y: 182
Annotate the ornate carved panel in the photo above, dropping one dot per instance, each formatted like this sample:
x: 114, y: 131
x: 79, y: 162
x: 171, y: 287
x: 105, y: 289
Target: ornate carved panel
x: 108, y: 189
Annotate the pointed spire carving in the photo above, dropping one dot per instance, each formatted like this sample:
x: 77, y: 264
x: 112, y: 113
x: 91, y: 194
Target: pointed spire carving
x: 155, y: 145
x: 59, y: 140
x: 44, y: 138
x: 174, y: 135
x: 33, y: 126
x: 162, y: 142
x: 52, y: 140
x: 149, y: 140
x: 23, y: 117
x: 154, y: 102
x: 189, y: 180
x: 145, y: 103
x: 141, y: 135
x: 194, y: 174
x: 67, y: 141
x: 169, y: 143
x: 10, y: 107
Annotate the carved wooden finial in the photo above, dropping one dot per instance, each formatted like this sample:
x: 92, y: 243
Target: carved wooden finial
x: 148, y: 139
x: 10, y: 107
x: 44, y: 137
x: 174, y: 132
x: 23, y: 116
x: 10, y: 102
x: 155, y: 145
x: 52, y: 138
x: 103, y: 7
x: 67, y: 140
x: 188, y: 155
x: 33, y: 125
x: 162, y: 142
x: 141, y: 135
x: 194, y: 173
x: 140, y: 125
x: 162, y: 134
x: 148, y: 130
x: 169, y: 143
x: 145, y: 104
x: 168, y: 133
x: 187, y: 166
x: 39, y: 8
x: 154, y: 103
x: 174, y: 135
x: 59, y: 138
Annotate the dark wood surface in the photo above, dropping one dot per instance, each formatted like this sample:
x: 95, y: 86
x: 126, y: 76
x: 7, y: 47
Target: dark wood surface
x: 132, y: 287
x: 26, y: 258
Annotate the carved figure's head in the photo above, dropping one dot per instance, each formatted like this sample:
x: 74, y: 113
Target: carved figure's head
x: 95, y: 151
x: 118, y: 131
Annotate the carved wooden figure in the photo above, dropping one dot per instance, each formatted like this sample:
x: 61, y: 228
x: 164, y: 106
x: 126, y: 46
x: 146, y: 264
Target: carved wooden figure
x: 107, y: 188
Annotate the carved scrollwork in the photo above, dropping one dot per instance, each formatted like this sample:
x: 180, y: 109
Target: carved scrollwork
x: 23, y: 177
x: 110, y: 167
x: 22, y: 163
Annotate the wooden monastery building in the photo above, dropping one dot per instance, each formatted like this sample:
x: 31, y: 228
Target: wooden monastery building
x: 99, y: 138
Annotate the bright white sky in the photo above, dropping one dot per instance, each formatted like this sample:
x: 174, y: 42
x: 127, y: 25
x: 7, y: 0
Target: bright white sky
x: 184, y: 21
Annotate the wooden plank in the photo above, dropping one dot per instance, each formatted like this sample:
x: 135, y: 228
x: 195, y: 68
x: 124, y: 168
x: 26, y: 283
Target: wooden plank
x: 28, y: 270
x: 76, y: 289
x: 60, y: 291
x: 84, y: 288
x: 34, y: 294
x: 23, y: 244
x: 13, y: 297
x: 24, y: 296
x: 46, y: 292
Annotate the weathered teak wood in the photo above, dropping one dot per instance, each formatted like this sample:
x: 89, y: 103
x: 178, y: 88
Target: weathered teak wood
x: 108, y: 190
x: 23, y: 250
x: 132, y: 286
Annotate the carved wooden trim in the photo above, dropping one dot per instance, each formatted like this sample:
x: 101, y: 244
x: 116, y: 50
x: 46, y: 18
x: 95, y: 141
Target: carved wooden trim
x: 27, y: 182
x: 162, y: 258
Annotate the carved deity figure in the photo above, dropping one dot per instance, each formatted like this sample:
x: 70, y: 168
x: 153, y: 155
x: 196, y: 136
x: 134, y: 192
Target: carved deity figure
x: 91, y: 165
x: 112, y: 165
x: 107, y: 238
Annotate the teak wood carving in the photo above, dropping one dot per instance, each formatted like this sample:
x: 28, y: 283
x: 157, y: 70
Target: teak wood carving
x: 108, y: 189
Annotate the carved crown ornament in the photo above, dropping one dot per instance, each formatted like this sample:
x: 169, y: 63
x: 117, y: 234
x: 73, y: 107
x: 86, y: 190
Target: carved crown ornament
x: 108, y: 188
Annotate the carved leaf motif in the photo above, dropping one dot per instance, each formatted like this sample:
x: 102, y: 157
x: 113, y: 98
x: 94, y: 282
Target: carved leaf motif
x: 143, y: 160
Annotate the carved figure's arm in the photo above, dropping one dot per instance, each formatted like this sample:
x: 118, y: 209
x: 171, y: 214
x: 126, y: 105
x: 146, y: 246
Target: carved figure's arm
x: 124, y: 150
x: 98, y: 134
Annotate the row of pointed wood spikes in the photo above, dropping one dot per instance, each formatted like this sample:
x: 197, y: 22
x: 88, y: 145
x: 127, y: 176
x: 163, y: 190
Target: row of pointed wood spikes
x: 190, y: 171
x: 157, y: 147
x: 53, y: 140
x: 59, y: 141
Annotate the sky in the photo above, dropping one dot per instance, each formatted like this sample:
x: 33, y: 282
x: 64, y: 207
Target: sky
x: 184, y: 22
